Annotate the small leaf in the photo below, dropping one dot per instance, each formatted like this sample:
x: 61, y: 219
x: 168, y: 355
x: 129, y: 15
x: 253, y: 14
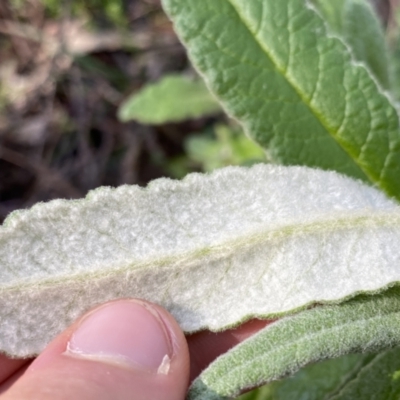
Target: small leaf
x: 173, y: 99
x: 296, y: 89
x: 366, y: 323
x: 227, y: 147
x: 214, y: 250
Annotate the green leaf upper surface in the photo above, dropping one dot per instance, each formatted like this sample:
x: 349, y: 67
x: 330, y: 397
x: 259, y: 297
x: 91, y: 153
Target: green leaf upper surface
x: 332, y: 12
x: 358, y: 24
x: 351, y: 377
x: 364, y: 324
x: 189, y: 246
x: 315, y: 382
x: 377, y: 379
x: 173, y: 99
x: 297, y: 90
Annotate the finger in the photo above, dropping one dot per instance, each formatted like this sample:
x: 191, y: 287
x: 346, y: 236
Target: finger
x: 12, y: 379
x: 122, y: 350
x: 9, y: 366
x: 205, y: 347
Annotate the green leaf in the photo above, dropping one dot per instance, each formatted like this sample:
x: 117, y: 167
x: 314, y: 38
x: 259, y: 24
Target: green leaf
x: 174, y: 98
x: 394, y: 56
x: 364, y: 33
x: 357, y: 22
x: 366, y: 323
x: 226, y: 147
x: 377, y: 379
x: 306, y: 236
x: 296, y: 89
x: 332, y: 11
x: 313, y: 382
x: 355, y: 376
x: 263, y: 393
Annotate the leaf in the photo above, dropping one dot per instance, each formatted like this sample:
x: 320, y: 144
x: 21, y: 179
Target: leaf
x: 377, y: 379
x: 173, y: 99
x: 355, y: 376
x: 394, y: 58
x: 320, y: 380
x: 332, y: 12
x: 366, y: 323
x: 227, y: 147
x: 358, y: 24
x: 296, y: 89
x: 262, y: 393
x: 306, y: 235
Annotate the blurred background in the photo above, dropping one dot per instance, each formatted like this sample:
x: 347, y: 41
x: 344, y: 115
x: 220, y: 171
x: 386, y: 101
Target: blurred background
x: 101, y: 92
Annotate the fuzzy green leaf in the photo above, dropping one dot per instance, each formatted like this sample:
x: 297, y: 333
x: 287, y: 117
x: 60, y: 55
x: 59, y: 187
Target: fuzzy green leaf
x: 367, y: 324
x: 296, y: 89
x: 173, y: 99
x: 306, y: 236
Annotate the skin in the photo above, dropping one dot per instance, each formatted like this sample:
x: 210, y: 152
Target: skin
x: 56, y: 375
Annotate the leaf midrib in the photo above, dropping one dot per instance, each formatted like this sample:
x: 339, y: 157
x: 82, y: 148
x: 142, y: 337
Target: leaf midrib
x: 330, y: 223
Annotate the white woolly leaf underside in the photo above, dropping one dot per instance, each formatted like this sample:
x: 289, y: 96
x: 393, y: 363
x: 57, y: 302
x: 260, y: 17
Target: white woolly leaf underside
x: 213, y: 249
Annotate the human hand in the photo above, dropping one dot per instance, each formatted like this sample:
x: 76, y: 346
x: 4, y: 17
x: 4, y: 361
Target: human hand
x: 125, y: 349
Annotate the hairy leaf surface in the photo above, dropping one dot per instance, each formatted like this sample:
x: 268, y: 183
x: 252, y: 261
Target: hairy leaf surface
x: 367, y: 323
x: 295, y: 88
x: 213, y: 249
x: 174, y: 98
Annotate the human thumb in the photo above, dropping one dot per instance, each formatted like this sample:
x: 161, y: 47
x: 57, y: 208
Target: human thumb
x: 125, y: 349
